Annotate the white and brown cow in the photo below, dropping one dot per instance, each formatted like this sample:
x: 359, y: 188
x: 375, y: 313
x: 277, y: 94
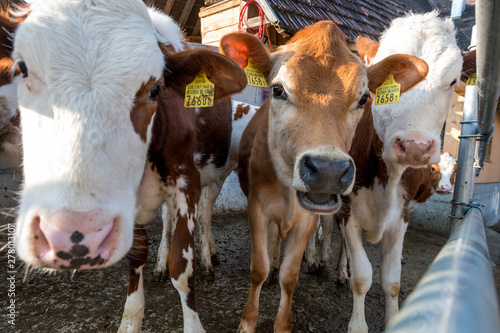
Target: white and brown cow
x: 212, y: 176
x: 293, y: 157
x: 390, y: 141
x: 10, y: 134
x: 107, y: 139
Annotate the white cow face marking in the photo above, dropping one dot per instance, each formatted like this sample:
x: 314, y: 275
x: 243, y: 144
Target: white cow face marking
x: 83, y: 64
x: 415, y: 122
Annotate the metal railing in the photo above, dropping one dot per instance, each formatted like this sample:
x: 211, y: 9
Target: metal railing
x: 457, y: 294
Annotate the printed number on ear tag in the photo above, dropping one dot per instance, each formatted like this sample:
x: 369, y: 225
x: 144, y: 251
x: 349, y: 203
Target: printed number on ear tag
x: 200, y: 92
x: 389, y: 92
x: 254, y: 76
x: 472, y: 80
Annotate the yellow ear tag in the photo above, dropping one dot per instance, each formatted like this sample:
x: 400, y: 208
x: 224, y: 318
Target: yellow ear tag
x: 200, y: 92
x: 254, y: 76
x: 472, y: 80
x: 388, y: 92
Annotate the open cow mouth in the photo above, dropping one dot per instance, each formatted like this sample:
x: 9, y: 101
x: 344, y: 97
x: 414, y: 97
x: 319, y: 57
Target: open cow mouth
x: 319, y: 203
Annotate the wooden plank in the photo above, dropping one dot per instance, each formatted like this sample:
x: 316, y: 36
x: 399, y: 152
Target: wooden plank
x: 219, y: 7
x: 196, y: 29
x: 185, y: 12
x: 489, y: 196
x: 168, y: 6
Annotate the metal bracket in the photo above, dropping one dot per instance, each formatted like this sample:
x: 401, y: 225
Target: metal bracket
x: 473, y: 203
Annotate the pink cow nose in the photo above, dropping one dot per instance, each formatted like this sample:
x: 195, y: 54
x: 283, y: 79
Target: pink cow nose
x: 446, y: 189
x: 412, y: 152
x: 74, y: 240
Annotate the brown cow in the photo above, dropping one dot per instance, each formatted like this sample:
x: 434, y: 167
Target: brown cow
x: 293, y: 154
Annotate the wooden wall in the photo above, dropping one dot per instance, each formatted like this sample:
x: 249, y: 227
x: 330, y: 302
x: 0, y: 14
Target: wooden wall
x: 491, y: 171
x: 218, y: 20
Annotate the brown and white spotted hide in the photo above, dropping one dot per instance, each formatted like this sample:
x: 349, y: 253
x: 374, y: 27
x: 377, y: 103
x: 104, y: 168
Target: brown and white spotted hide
x: 10, y: 135
x: 293, y: 157
x: 390, y: 141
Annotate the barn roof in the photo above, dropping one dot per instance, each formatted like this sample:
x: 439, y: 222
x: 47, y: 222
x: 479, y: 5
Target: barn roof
x: 354, y: 17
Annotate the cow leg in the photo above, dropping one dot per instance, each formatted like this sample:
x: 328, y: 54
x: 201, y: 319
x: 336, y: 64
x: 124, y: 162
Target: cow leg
x: 360, y: 269
x: 207, y: 247
x: 274, y: 250
x: 134, y: 307
x: 160, y: 272
x: 391, y: 249
x: 324, y: 264
x: 342, y: 262
x: 310, y: 252
x: 259, y: 267
x: 182, y: 256
x: 296, y: 243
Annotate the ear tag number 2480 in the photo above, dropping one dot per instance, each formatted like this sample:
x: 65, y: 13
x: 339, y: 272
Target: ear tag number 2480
x: 200, y: 92
x: 389, y: 92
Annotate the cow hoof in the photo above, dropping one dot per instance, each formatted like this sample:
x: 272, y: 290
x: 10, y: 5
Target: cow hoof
x: 215, y: 259
x: 160, y: 276
x: 312, y: 269
x: 323, y: 269
x: 207, y: 274
x: 342, y: 283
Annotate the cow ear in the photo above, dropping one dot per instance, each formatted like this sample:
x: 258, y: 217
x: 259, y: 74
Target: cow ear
x: 182, y: 67
x: 407, y: 70
x: 367, y: 48
x: 239, y: 46
x: 469, y: 64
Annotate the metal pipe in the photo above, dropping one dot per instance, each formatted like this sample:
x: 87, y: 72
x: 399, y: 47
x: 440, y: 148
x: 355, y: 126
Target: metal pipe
x: 457, y: 293
x: 488, y: 68
x: 464, y: 181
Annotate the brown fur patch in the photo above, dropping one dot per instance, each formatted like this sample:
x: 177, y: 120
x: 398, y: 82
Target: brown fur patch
x: 241, y: 110
x: 144, y: 108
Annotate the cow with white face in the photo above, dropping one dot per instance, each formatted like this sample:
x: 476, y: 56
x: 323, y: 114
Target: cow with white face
x: 390, y: 140
x: 107, y: 139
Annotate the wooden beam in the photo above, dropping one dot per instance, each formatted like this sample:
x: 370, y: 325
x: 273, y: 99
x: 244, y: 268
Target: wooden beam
x: 185, y: 12
x: 168, y: 6
x: 196, y: 29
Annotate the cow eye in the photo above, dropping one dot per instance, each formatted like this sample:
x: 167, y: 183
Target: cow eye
x: 23, y: 69
x: 433, y: 168
x: 453, y: 82
x: 363, y: 99
x: 154, y: 91
x: 279, y: 92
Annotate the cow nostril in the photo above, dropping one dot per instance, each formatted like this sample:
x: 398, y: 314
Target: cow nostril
x: 309, y: 168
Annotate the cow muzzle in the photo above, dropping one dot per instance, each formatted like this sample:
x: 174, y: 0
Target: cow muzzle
x: 323, y: 180
x: 414, y: 152
x: 74, y: 240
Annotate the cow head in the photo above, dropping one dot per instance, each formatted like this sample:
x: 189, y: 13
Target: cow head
x: 410, y: 130
x: 10, y: 136
x: 318, y: 89
x: 447, y: 168
x: 87, y: 94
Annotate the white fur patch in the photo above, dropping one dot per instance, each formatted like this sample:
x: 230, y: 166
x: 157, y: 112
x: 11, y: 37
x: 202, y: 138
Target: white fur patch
x: 192, y: 321
x: 167, y: 28
x: 133, y: 314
